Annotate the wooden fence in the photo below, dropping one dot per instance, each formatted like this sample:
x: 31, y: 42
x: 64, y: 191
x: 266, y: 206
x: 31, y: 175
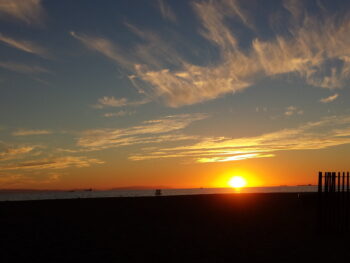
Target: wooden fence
x: 334, y: 202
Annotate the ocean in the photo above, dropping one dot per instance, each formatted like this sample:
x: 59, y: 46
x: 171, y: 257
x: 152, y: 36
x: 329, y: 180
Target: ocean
x: 47, y: 195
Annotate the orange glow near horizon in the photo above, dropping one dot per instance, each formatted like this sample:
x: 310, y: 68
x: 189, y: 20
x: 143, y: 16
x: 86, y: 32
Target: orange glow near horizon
x: 237, y: 178
x: 237, y: 182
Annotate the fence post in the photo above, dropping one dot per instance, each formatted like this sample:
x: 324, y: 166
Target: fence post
x: 334, y: 202
x: 320, y: 182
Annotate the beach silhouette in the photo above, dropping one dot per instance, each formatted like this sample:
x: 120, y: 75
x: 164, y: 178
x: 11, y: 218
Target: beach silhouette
x: 281, y: 227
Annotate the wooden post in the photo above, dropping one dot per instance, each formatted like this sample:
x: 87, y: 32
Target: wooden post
x: 347, y: 213
x: 326, y: 216
x: 334, y: 202
x: 337, y: 205
x: 334, y: 177
x: 320, y: 220
x: 320, y: 182
x: 333, y: 210
x: 343, y: 205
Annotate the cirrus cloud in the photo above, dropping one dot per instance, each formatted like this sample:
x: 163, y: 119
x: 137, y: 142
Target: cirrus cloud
x: 23, y: 68
x: 24, y: 45
x: 9, y: 152
x: 30, y: 12
x: 115, y: 102
x: 166, y: 11
x: 330, y: 98
x: 53, y: 163
x: 150, y: 131
x: 315, y: 49
x: 328, y: 132
x: 31, y: 132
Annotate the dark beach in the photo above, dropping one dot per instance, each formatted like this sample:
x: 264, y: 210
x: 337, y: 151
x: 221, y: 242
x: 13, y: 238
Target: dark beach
x: 203, y: 228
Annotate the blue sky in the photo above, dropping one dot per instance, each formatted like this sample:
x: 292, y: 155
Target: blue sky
x: 108, y: 88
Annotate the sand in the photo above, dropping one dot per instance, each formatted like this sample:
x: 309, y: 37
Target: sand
x: 202, y: 228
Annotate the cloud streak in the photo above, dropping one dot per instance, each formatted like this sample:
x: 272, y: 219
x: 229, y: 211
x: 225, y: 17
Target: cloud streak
x: 315, y: 49
x: 106, y: 101
x: 23, y: 68
x: 166, y: 11
x: 292, y: 110
x: 31, y: 132
x: 118, y: 114
x: 29, y: 12
x: 104, y: 47
x: 10, y: 152
x: 24, y: 45
x: 327, y: 132
x: 53, y: 163
x: 152, y: 131
x: 238, y: 157
x: 330, y: 98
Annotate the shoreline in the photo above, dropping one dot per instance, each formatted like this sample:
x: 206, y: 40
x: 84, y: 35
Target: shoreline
x: 48, y: 195
x: 277, y: 194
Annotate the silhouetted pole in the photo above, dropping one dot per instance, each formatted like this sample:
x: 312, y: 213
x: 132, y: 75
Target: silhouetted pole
x: 326, y: 182
x: 320, y: 200
x: 320, y: 182
x: 347, y: 202
x: 334, y: 202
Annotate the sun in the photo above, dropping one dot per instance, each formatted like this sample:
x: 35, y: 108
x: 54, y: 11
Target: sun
x: 237, y: 182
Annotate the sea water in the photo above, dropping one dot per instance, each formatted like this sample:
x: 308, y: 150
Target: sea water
x: 45, y: 195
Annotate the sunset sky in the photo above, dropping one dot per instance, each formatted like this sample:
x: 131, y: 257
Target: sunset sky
x: 172, y: 93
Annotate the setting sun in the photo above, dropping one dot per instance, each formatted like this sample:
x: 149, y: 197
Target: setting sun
x: 237, y: 182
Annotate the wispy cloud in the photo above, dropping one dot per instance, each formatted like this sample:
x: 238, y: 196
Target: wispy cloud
x: 111, y: 102
x: 53, y: 163
x: 24, y: 45
x: 315, y: 49
x: 292, y: 110
x: 121, y: 102
x: 328, y: 132
x: 296, y: 9
x: 118, y: 114
x: 30, y: 132
x: 30, y: 12
x: 23, y: 68
x: 234, y: 9
x: 105, y: 47
x: 8, y: 152
x: 330, y: 98
x: 166, y: 11
x: 234, y: 158
x: 148, y: 132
